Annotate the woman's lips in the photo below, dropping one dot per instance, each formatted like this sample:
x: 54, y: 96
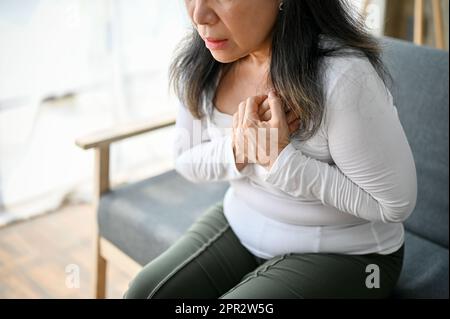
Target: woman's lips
x: 216, y: 44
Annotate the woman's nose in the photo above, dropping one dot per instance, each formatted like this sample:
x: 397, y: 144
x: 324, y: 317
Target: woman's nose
x: 203, y: 14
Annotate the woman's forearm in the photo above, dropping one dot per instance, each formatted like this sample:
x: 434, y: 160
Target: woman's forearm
x: 381, y: 196
x: 209, y: 162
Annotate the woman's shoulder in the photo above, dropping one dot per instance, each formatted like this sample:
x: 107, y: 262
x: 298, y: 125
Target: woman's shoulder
x: 346, y: 64
x: 349, y: 71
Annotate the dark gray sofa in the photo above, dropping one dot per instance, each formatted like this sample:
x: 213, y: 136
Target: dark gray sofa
x: 421, y: 96
x: 145, y: 218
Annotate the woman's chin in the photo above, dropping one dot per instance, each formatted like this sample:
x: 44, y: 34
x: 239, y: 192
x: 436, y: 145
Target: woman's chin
x: 223, y: 57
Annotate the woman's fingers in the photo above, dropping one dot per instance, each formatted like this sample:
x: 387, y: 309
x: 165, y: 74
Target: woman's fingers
x: 251, y: 108
x: 260, y: 105
x: 276, y: 108
x: 241, y: 112
x: 290, y: 116
x: 266, y: 116
x: 238, y: 137
x: 236, y: 120
x: 264, y: 111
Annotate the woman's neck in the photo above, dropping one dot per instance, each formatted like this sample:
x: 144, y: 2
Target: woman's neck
x: 254, y: 70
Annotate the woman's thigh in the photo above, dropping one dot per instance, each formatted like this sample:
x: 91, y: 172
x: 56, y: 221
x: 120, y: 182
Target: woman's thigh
x: 205, y: 262
x: 321, y: 276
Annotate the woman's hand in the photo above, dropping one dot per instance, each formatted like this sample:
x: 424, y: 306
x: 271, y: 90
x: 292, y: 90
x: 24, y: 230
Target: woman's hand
x: 292, y: 118
x: 261, y: 141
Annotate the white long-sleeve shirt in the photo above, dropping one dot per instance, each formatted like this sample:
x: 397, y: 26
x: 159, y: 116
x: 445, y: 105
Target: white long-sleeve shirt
x: 346, y: 190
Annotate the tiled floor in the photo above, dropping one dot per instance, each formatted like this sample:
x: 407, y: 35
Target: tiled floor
x: 41, y: 258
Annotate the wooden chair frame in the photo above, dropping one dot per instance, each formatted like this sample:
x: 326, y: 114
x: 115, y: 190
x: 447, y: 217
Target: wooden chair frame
x: 101, y: 143
x: 419, y: 15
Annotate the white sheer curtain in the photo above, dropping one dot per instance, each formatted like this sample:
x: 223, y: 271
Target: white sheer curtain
x: 374, y: 16
x: 101, y: 63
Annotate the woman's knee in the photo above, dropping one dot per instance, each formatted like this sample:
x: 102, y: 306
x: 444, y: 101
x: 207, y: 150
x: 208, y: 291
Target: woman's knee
x: 205, y: 262
x: 148, y: 281
x: 143, y: 284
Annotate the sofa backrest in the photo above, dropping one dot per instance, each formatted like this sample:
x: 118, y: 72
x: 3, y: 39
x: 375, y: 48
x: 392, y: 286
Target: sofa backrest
x: 420, y: 92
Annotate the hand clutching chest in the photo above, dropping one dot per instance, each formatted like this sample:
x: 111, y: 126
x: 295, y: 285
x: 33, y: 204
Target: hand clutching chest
x: 261, y: 130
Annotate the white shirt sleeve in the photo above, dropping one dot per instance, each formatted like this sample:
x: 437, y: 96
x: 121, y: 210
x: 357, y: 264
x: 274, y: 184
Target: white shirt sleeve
x: 197, y: 157
x: 375, y: 176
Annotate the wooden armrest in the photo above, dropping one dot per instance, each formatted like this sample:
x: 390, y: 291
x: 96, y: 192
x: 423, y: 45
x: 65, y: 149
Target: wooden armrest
x: 109, y: 136
x: 101, y: 141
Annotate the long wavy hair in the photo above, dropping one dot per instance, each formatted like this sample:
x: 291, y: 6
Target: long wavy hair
x: 294, y: 68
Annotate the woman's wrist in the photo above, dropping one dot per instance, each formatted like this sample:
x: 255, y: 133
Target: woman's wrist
x: 268, y: 165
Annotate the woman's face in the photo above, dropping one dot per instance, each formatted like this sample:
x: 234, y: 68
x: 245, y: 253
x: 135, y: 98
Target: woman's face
x: 244, y: 25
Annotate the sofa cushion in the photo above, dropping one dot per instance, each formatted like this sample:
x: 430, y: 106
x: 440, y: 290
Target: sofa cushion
x: 143, y: 219
x: 425, y: 270
x: 420, y: 94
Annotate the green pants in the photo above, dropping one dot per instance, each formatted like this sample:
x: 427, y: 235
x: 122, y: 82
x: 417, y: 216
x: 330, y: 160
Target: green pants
x: 210, y: 262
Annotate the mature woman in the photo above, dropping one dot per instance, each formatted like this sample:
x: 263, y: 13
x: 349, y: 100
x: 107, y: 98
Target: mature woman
x: 316, y: 202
